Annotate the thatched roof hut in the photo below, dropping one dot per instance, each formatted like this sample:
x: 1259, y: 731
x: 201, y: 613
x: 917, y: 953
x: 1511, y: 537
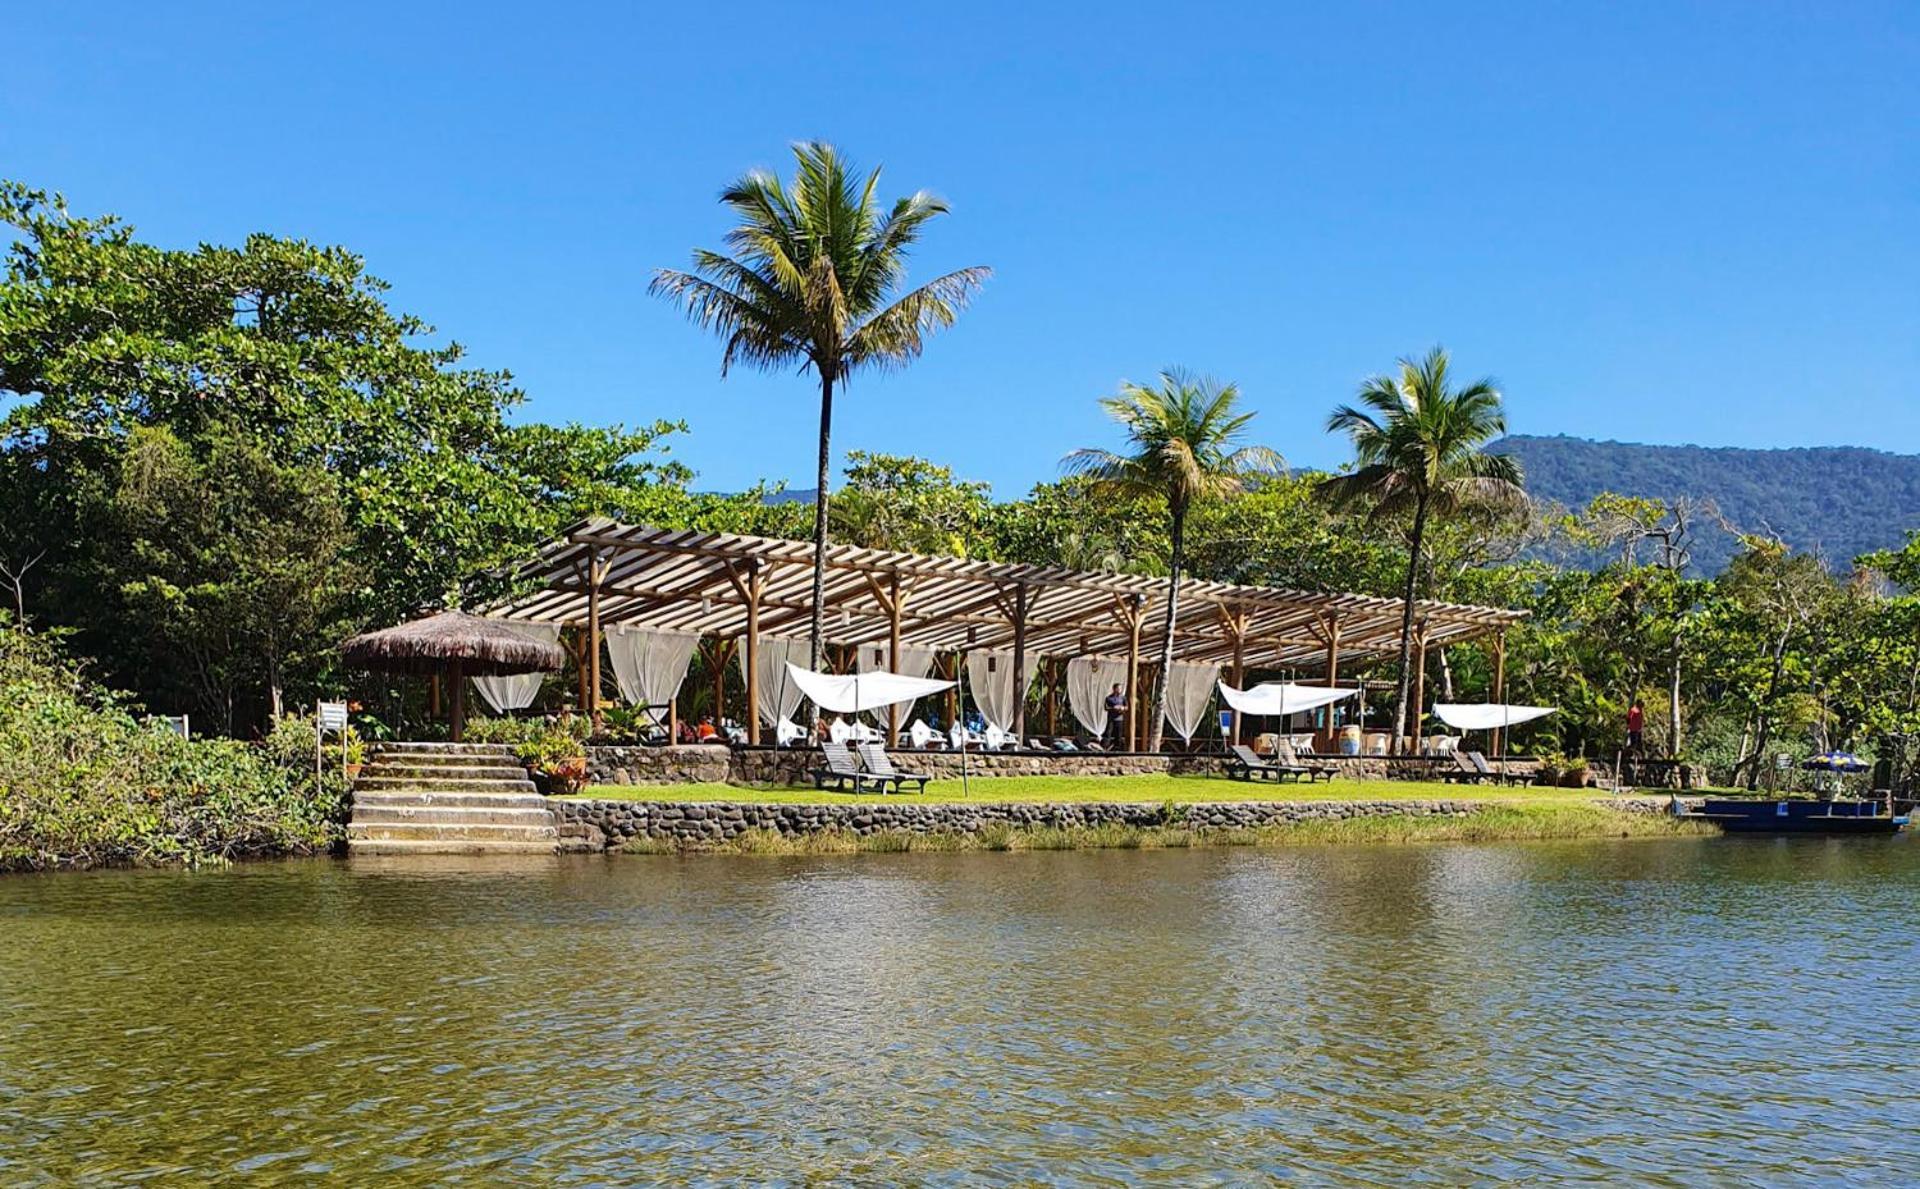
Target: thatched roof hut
x: 458, y: 644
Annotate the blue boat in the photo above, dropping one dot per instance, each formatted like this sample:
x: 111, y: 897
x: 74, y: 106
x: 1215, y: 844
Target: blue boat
x: 1745, y: 815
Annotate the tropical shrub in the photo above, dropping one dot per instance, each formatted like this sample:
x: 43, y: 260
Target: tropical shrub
x: 558, y: 755
x: 83, y: 781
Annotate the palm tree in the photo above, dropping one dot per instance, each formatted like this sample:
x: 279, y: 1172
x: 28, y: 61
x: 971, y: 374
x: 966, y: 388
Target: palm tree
x: 1183, y: 439
x: 811, y: 282
x: 1418, y: 454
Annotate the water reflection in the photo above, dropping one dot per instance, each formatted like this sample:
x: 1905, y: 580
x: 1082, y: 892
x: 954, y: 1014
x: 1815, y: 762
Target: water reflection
x: 1695, y: 1009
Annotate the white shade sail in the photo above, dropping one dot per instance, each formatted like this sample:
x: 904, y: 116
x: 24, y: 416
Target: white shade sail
x: 1089, y: 678
x: 850, y: 693
x: 649, y: 664
x: 914, y: 662
x: 518, y: 691
x: 1486, y: 716
x: 1282, y: 697
x: 1189, y: 690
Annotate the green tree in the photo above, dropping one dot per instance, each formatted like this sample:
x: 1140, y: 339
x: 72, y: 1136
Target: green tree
x: 288, y: 349
x: 1418, y: 447
x: 896, y: 502
x: 812, y: 280
x: 1184, y: 446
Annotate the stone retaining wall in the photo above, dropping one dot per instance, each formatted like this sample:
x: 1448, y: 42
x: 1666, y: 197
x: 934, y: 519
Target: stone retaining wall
x: 697, y: 823
x: 718, y: 764
x: 681, y: 763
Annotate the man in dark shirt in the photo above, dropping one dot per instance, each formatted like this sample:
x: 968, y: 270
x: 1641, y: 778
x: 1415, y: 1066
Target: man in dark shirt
x: 1116, y: 717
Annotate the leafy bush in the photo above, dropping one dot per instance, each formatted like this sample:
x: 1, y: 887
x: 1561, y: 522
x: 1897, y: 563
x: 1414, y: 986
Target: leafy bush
x: 85, y: 782
x: 504, y: 730
x: 559, y: 755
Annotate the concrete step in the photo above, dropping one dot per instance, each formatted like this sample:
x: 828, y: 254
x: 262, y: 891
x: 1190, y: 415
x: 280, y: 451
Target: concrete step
x: 500, y: 763
x: 488, y: 798
x: 451, y: 815
x: 442, y: 749
x: 408, y: 784
x: 465, y: 832
x: 436, y: 846
x: 388, y: 770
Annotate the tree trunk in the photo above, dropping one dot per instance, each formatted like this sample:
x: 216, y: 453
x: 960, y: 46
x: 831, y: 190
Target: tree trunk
x: 1163, y: 683
x: 815, y: 630
x: 1406, y: 627
x: 275, y: 704
x: 1673, y: 702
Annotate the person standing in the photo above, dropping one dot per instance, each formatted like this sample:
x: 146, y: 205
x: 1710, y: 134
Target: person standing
x: 1636, y: 724
x: 1116, y: 717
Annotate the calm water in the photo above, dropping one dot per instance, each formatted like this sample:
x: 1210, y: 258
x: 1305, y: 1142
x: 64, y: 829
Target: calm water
x: 1708, y: 1010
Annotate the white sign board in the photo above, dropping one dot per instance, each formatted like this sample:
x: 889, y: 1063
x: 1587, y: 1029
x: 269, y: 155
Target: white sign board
x: 333, y: 716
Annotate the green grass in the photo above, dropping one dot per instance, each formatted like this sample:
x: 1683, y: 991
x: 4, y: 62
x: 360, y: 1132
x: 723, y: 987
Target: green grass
x: 1179, y: 789
x: 1494, y: 823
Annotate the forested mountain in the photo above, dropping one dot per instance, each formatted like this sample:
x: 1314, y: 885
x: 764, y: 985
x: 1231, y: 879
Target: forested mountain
x: 1839, y: 500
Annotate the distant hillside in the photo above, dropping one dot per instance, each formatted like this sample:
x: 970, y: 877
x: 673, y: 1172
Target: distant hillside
x: 1841, y: 500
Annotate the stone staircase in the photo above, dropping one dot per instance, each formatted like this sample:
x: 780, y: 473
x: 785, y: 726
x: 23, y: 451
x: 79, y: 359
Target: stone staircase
x: 447, y: 799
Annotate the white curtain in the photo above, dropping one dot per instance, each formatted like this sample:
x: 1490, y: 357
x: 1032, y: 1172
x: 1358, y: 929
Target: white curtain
x: 1189, y: 690
x: 990, y: 679
x: 1089, y: 678
x: 649, y: 663
x: 915, y: 661
x: 779, y: 696
x: 518, y: 691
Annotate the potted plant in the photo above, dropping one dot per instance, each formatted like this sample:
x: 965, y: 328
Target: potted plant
x: 1574, y: 775
x: 353, y: 753
x: 1547, y: 771
x: 556, y: 762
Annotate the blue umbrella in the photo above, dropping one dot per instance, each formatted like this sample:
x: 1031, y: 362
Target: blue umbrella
x: 1836, y: 761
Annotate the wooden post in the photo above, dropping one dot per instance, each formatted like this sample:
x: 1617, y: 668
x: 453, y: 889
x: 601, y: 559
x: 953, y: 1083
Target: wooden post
x: 580, y: 667
x: 1051, y: 683
x: 1020, y: 665
x: 1136, y: 611
x: 950, y: 669
x: 433, y: 696
x: 1499, y: 688
x: 593, y: 644
x: 1332, y: 626
x: 1419, y: 691
x: 754, y: 583
x: 895, y: 605
x: 457, y: 720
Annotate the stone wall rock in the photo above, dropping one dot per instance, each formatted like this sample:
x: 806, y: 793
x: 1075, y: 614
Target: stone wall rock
x: 709, y: 822
x: 680, y: 763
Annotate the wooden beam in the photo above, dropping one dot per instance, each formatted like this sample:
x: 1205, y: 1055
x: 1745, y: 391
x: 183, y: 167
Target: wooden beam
x: 1419, y: 692
x: 1131, y: 620
x: 754, y: 580
x: 593, y: 646
x: 1021, y: 600
x: 1498, y: 646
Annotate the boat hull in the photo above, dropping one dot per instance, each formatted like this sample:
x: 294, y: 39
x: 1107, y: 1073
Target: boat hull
x: 1799, y: 817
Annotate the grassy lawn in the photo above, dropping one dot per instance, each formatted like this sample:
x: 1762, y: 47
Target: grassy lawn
x: 1113, y: 788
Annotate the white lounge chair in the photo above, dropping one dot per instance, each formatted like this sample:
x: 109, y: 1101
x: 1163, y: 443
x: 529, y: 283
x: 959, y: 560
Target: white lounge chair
x: 924, y: 737
x: 787, y: 732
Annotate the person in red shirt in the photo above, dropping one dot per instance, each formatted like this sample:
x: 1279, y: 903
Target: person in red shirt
x: 1636, y: 723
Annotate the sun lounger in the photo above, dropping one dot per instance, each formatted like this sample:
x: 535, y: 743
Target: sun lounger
x: 1462, y: 770
x: 1498, y: 775
x: 1288, y: 758
x: 1246, y: 765
x: 841, y: 768
x: 924, y: 737
x: 880, y: 768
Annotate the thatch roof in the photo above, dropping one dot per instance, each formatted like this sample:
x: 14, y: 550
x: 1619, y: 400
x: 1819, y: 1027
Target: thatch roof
x: 484, y: 647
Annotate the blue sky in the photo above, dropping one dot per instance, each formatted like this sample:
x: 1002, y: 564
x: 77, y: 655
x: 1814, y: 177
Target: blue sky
x: 1650, y: 221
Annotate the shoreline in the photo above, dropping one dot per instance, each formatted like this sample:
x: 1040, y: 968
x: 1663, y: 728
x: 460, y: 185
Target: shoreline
x: 813, y: 827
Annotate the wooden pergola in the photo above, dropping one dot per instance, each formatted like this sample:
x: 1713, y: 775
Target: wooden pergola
x: 737, y: 590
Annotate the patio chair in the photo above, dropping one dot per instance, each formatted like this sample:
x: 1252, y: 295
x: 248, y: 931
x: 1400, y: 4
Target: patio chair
x: 839, y: 732
x: 1245, y: 765
x: 1287, y: 757
x: 840, y: 768
x: 880, y: 767
x: 924, y: 737
x: 999, y: 740
x: 787, y: 732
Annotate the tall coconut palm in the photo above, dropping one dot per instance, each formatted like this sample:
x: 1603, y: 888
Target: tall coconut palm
x: 812, y: 282
x: 1183, y: 446
x: 1418, y: 447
